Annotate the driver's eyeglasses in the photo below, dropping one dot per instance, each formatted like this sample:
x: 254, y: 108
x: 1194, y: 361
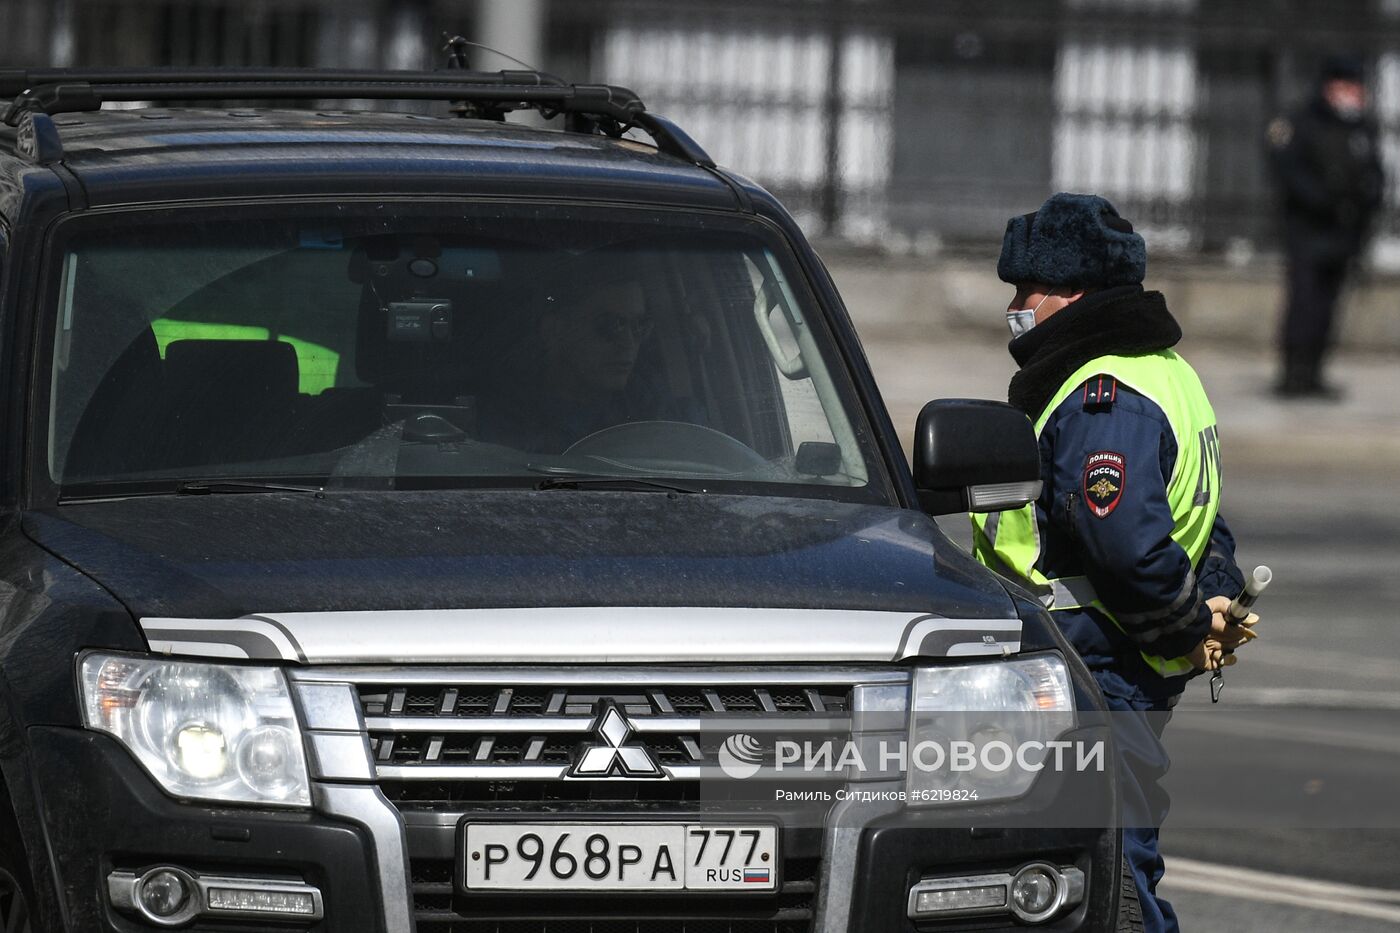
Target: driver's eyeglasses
x: 611, y: 325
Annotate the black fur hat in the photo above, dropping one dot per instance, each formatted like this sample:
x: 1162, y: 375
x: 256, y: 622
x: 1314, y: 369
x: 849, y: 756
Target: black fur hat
x: 1343, y: 66
x: 1074, y: 239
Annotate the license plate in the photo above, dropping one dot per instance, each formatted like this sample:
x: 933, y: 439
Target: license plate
x: 621, y: 857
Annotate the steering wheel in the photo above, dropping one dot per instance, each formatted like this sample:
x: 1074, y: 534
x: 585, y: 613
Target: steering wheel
x: 635, y: 443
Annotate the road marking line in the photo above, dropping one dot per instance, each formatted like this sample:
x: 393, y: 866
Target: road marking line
x: 1317, y: 698
x: 1324, y: 659
x: 1290, y: 882
x: 1230, y: 890
x: 1253, y: 729
x: 1249, y: 884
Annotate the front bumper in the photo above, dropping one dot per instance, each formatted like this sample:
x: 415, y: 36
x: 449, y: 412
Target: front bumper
x: 102, y: 813
x: 372, y: 861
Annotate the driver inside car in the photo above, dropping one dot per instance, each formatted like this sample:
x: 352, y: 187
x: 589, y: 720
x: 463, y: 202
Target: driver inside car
x: 591, y: 350
x: 579, y: 372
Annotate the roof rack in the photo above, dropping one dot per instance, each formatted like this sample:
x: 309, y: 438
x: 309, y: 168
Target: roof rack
x: 590, y: 108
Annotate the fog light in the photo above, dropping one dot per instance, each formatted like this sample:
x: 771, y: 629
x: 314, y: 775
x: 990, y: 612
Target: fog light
x: 164, y: 894
x: 244, y: 900
x: 170, y: 897
x: 1035, y: 893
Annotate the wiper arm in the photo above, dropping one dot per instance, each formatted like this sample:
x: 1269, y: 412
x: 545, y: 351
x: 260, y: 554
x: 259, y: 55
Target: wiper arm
x: 100, y: 492
x: 591, y: 481
x: 205, y: 488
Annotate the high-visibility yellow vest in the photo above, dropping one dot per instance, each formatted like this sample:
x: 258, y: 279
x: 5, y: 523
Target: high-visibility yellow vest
x: 1010, y: 542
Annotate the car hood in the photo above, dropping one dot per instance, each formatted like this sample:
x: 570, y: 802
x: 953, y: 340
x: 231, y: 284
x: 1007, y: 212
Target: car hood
x: 347, y: 565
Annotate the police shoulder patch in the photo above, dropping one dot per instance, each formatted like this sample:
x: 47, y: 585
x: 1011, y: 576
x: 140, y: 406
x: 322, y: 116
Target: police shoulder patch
x: 1280, y: 132
x: 1100, y: 392
x: 1105, y: 474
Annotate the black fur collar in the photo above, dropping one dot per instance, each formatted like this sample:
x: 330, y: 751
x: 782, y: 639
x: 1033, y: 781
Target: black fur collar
x: 1123, y: 321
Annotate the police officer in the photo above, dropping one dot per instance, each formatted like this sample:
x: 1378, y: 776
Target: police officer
x: 1326, y: 164
x: 1125, y: 544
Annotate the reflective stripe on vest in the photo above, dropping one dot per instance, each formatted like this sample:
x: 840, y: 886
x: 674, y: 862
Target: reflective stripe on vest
x: 1010, y: 542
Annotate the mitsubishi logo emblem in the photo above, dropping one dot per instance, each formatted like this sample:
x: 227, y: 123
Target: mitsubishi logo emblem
x: 613, y: 757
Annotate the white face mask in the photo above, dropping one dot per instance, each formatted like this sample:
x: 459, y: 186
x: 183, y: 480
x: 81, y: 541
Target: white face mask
x: 1022, y: 321
x: 1348, y: 111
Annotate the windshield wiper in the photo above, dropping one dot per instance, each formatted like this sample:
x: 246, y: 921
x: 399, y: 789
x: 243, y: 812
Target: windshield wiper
x: 211, y: 487
x: 99, y: 492
x: 591, y: 481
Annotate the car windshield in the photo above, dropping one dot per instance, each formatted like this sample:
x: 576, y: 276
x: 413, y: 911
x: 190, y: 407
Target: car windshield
x: 410, y: 346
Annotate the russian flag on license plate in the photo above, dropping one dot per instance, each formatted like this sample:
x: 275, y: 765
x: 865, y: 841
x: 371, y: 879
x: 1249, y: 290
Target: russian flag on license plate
x: 756, y: 874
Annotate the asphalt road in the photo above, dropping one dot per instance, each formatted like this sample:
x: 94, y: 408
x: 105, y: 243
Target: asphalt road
x: 1299, y: 766
x: 1286, y: 796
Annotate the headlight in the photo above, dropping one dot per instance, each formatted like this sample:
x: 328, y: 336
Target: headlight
x: 979, y: 732
x: 211, y: 731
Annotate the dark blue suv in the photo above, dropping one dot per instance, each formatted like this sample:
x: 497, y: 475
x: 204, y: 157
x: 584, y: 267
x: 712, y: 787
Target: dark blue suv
x: 424, y: 521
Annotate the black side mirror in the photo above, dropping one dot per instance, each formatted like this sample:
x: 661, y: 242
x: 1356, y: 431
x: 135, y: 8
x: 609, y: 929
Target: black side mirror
x: 972, y: 455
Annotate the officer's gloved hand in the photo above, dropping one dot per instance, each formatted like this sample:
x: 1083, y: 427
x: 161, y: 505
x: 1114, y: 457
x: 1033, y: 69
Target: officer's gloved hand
x: 1209, y: 655
x: 1229, y: 636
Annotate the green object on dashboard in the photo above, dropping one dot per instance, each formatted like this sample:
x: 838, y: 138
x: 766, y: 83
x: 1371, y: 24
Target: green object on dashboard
x: 316, y: 365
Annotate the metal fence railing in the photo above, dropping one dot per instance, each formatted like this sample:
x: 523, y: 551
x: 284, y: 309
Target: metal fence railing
x: 962, y: 112
x: 897, y: 122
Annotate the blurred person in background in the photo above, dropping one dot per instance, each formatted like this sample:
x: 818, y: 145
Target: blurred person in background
x: 1125, y: 544
x: 1325, y: 159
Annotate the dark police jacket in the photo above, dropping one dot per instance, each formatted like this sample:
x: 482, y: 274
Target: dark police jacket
x: 1329, y: 175
x: 1119, y: 321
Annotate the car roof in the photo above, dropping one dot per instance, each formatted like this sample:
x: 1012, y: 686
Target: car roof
x: 137, y: 156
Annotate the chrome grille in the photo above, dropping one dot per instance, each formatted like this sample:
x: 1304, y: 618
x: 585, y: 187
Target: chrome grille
x: 450, y: 701
x: 459, y: 729
x: 442, y: 744
x: 463, y: 724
